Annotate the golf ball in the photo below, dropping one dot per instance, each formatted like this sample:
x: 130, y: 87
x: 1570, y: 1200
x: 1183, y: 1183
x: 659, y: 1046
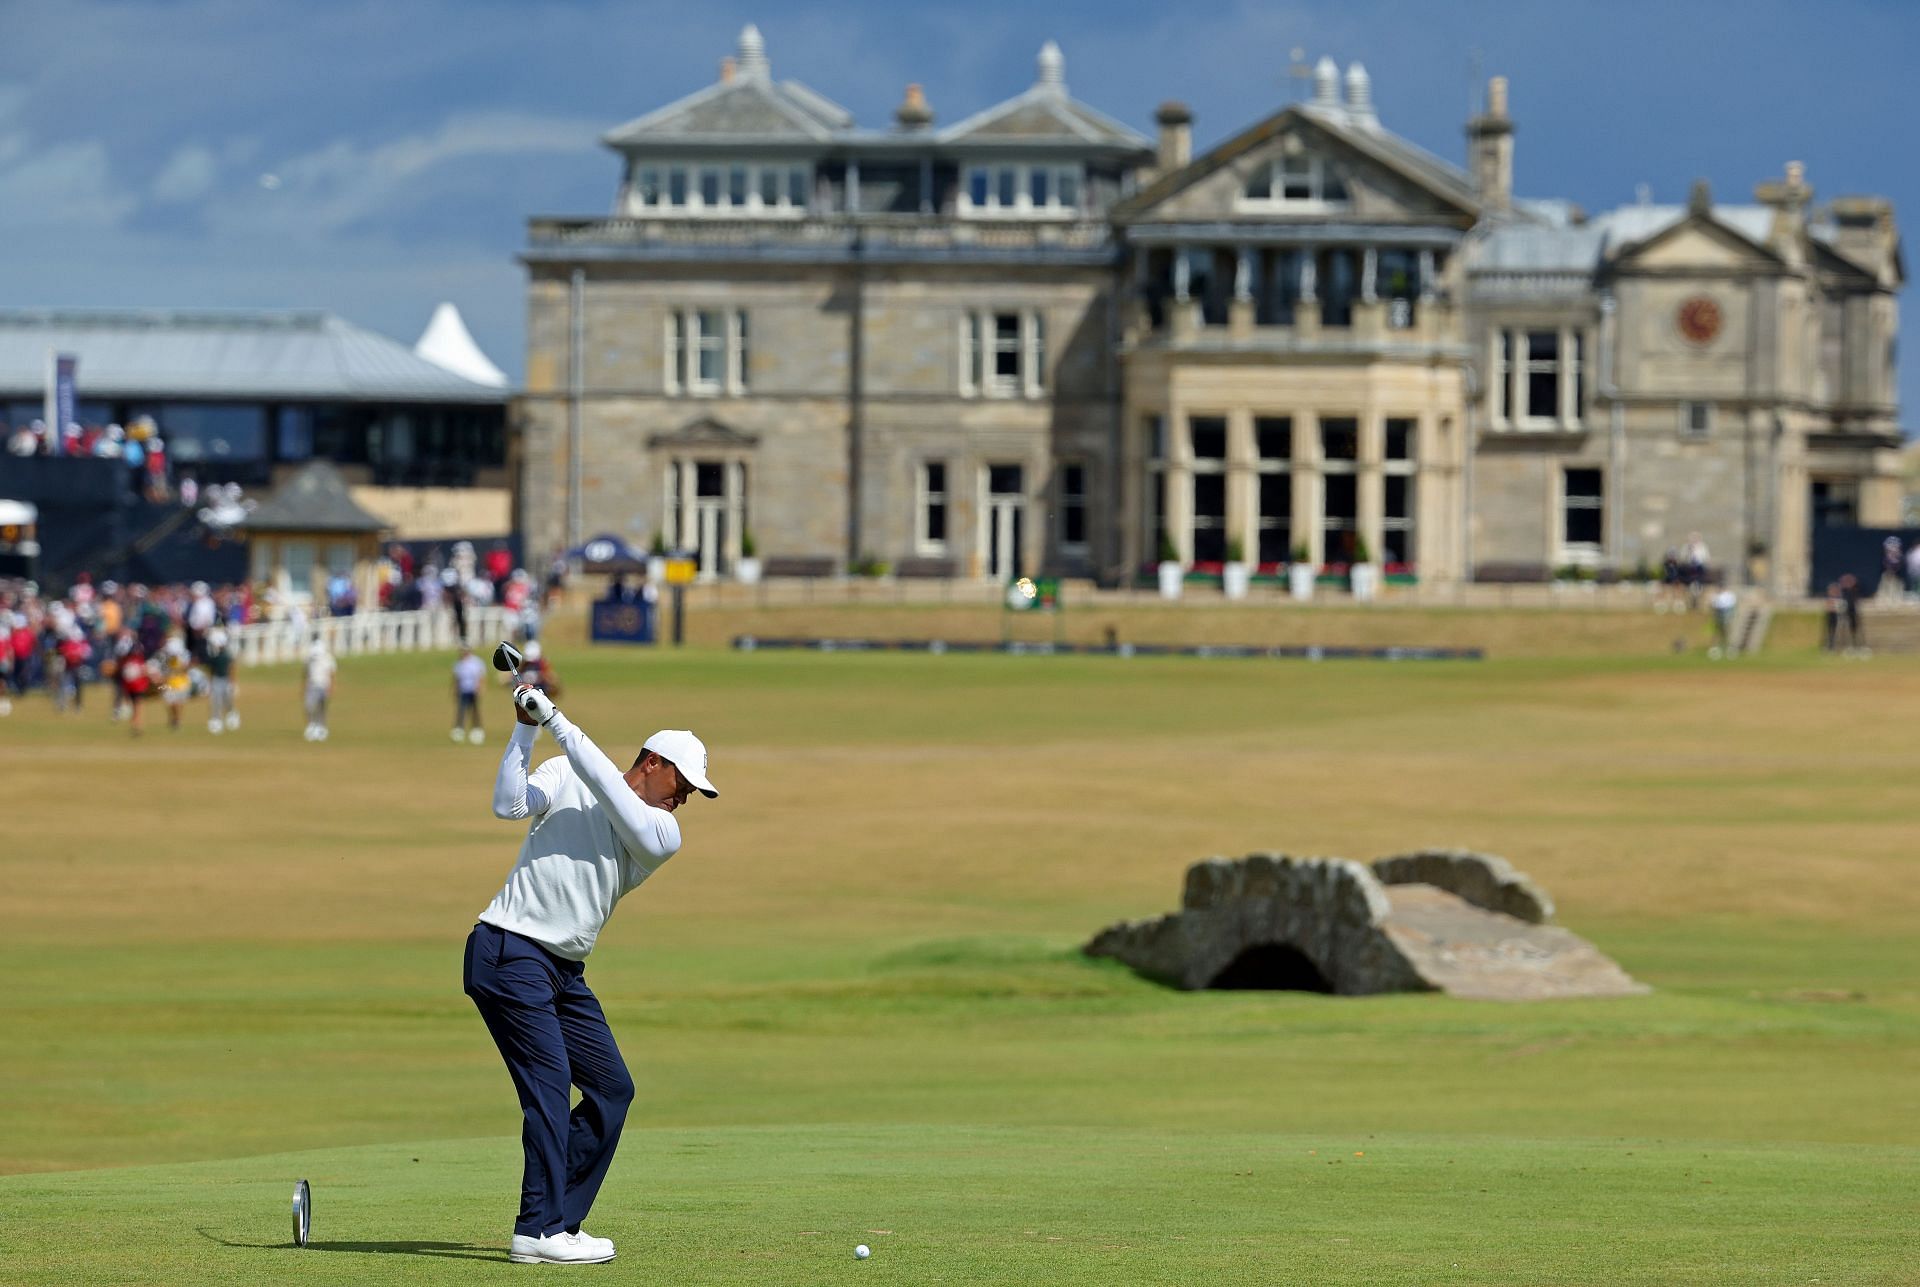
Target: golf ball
x: 860, y: 1252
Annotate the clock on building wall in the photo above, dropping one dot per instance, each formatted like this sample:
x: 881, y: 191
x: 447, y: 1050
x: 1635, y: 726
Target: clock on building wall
x: 1699, y: 320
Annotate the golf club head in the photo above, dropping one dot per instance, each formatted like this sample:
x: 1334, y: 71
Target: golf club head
x: 508, y: 658
x: 302, y: 1213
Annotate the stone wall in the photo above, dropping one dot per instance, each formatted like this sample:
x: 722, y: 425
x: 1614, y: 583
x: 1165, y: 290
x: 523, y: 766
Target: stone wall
x: 1480, y: 879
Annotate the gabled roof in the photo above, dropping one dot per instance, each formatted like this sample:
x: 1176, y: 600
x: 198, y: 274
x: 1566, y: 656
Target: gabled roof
x: 314, y: 500
x: 1729, y: 223
x: 1446, y: 183
x: 1044, y: 114
x: 159, y: 353
x: 745, y: 104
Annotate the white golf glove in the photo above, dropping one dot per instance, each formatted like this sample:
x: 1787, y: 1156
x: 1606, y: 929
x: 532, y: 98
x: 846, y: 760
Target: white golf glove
x: 538, y: 706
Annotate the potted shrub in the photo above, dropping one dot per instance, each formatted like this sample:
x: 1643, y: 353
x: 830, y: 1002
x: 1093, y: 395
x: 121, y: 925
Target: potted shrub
x: 1170, y: 571
x: 1363, y: 575
x: 657, y: 558
x: 747, y: 570
x: 1236, y: 575
x: 1301, y: 573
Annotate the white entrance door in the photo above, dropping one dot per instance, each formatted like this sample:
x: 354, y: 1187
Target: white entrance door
x: 710, y: 505
x: 1003, y: 530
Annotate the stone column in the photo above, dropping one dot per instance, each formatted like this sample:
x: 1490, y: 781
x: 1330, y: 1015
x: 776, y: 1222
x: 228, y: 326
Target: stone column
x: 1179, y: 513
x: 1243, y: 497
x: 1307, y: 496
x: 1371, y: 485
x: 1240, y: 313
x: 1369, y: 275
x: 687, y: 522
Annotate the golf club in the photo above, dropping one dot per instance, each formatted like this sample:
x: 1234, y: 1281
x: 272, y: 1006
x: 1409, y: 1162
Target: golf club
x: 508, y: 658
x: 302, y: 1212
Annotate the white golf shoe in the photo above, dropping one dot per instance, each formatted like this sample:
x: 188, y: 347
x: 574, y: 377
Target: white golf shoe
x: 456, y: 735
x: 478, y: 736
x: 233, y: 720
x: 215, y: 727
x: 559, y: 1249
x: 587, y: 1239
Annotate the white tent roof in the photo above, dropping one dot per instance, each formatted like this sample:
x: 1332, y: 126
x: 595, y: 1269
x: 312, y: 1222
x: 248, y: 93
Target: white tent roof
x: 447, y: 344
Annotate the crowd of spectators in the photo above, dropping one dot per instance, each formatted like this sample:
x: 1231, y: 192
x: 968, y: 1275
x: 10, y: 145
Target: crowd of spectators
x: 173, y: 642
x: 137, y: 444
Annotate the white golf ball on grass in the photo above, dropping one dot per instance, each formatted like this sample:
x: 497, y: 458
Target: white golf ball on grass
x: 861, y: 1252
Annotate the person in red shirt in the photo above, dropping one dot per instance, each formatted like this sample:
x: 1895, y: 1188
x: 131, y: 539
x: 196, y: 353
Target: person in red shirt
x: 499, y: 564
x: 136, y: 683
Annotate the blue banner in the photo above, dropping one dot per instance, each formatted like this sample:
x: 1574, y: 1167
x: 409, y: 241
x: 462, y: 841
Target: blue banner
x: 65, y: 368
x: 623, y: 622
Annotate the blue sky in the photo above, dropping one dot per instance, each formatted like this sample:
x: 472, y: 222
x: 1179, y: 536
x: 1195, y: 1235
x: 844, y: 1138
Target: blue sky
x: 374, y: 157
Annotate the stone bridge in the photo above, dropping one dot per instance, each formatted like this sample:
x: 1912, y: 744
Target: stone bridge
x: 1437, y: 920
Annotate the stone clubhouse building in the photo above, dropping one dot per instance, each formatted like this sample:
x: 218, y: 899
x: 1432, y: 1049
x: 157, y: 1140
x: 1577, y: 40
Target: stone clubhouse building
x: 1034, y: 340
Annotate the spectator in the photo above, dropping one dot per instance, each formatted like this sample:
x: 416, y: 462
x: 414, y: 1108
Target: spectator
x: 467, y: 674
x: 499, y: 564
x: 318, y: 676
x: 176, y: 684
x: 136, y: 680
x: 1893, y: 569
x: 202, y: 616
x: 222, y: 714
x: 538, y: 671
x: 1724, y: 603
x: 1850, y: 599
x: 1694, y: 565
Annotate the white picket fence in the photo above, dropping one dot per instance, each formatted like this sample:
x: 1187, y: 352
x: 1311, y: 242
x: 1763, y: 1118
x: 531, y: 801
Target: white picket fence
x: 371, y: 632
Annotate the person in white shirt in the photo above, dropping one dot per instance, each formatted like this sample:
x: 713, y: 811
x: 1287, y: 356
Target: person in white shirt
x: 318, y: 673
x: 596, y: 834
x: 467, y: 674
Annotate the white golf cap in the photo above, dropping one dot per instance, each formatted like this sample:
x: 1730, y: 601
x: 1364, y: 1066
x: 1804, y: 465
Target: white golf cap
x: 686, y: 753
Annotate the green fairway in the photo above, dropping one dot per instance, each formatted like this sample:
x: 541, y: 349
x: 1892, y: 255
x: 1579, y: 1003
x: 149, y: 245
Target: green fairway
x: 853, y: 1004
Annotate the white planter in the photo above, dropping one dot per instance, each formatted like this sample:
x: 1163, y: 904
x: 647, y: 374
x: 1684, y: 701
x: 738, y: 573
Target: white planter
x: 1300, y: 579
x: 1364, y: 579
x: 746, y: 570
x: 1172, y: 577
x: 1235, y: 578
x: 656, y: 568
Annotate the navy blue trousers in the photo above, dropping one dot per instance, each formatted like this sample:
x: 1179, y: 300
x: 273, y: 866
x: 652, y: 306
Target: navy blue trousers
x: 552, y: 1033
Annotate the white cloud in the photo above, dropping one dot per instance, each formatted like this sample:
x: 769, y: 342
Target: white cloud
x: 68, y: 185
x: 188, y: 175
x: 347, y: 182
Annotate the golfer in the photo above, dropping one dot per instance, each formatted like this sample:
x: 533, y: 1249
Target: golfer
x: 596, y: 834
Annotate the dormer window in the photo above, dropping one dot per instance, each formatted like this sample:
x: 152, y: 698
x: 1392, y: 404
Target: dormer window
x: 1026, y: 191
x: 734, y: 189
x: 1295, y: 181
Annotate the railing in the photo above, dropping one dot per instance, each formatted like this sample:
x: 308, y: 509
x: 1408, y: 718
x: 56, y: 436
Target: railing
x: 370, y: 632
x: 829, y: 231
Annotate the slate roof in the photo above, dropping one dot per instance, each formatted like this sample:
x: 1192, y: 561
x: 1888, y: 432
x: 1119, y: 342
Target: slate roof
x: 314, y: 500
x: 1045, y: 113
x: 1541, y: 243
x: 746, y: 106
x: 306, y: 356
x: 751, y: 107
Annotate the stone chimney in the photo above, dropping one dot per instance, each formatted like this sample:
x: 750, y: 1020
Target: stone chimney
x: 727, y: 68
x: 1864, y: 232
x: 1176, y: 136
x: 913, y: 112
x: 1490, y: 150
x: 1050, y: 69
x: 753, y: 64
x: 1326, y: 85
x: 1788, y: 198
x: 1360, y: 98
